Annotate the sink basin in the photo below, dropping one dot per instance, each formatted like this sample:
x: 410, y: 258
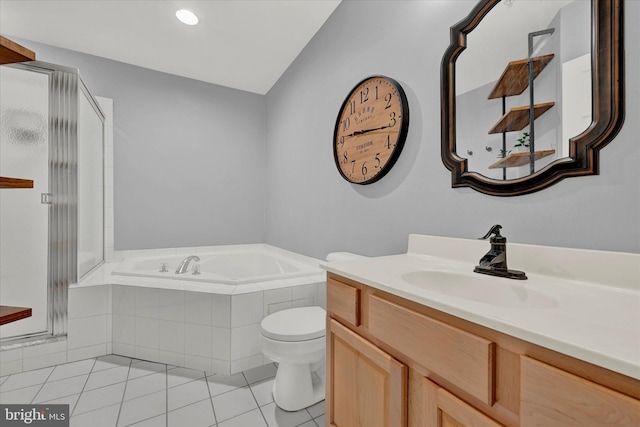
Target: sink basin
x: 490, y: 290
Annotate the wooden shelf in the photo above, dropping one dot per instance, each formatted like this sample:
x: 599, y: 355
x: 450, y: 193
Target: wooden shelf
x: 11, y: 52
x: 518, y: 117
x: 520, y: 159
x: 6, y: 182
x: 515, y: 77
x: 10, y: 314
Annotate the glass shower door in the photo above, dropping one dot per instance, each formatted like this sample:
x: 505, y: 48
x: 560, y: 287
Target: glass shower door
x: 24, y: 236
x: 90, y: 183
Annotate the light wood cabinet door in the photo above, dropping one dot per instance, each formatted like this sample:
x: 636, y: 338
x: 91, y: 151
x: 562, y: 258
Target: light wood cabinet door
x: 443, y: 409
x: 366, y: 387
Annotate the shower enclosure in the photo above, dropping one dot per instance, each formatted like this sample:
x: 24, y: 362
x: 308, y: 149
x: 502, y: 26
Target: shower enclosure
x: 52, y: 132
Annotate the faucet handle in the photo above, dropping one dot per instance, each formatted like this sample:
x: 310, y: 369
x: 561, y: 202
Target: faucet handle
x: 494, y: 230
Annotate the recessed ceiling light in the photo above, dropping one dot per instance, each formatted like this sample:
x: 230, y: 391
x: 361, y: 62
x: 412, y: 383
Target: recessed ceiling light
x: 187, y: 17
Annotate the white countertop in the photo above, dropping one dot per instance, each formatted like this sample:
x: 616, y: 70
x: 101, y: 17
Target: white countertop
x: 567, y: 312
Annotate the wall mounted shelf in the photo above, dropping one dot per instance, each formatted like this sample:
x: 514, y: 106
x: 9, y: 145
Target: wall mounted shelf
x: 518, y: 117
x: 11, y: 52
x: 515, y: 77
x: 10, y: 314
x: 6, y: 182
x: 520, y: 159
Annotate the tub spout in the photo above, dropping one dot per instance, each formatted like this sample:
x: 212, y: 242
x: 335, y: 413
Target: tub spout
x: 184, y: 265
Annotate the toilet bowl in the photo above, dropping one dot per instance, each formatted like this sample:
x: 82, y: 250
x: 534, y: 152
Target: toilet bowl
x: 295, y: 339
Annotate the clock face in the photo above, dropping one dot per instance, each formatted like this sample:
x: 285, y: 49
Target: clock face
x: 370, y: 130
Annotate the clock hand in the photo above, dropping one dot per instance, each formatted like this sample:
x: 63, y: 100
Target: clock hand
x: 360, y: 132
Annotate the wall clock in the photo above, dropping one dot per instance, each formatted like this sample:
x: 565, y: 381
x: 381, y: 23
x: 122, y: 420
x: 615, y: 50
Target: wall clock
x: 370, y: 130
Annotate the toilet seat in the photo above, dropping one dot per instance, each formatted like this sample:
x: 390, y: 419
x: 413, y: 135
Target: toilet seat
x: 295, y: 324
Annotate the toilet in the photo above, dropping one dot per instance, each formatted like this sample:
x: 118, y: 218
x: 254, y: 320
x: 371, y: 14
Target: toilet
x: 295, y: 339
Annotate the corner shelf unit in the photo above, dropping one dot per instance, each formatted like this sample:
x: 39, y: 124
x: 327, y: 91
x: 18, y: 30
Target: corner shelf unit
x: 11, y: 52
x: 515, y: 79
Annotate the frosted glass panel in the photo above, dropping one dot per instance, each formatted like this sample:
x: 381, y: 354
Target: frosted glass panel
x: 24, y: 153
x: 90, y: 187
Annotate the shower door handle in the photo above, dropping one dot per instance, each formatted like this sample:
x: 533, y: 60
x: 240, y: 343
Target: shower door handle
x: 46, y: 198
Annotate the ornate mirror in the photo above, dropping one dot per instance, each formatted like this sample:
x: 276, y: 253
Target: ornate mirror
x: 531, y: 91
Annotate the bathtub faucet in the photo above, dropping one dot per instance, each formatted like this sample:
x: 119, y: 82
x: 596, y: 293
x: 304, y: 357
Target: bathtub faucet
x: 184, y: 265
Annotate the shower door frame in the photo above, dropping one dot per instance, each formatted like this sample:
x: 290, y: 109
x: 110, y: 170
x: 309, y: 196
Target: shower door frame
x: 65, y: 86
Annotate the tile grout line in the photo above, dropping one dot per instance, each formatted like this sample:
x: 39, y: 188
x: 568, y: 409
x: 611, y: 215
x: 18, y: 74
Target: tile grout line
x: 124, y: 392
x: 166, y: 399
x: 42, y: 385
x: 206, y: 380
x: 101, y: 387
x: 255, y: 400
x: 83, y: 387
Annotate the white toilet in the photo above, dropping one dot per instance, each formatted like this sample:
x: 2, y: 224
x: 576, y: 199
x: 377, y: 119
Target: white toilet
x: 295, y: 338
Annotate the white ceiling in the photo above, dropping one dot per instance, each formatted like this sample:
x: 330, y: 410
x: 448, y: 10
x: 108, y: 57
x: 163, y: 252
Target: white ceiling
x: 242, y: 44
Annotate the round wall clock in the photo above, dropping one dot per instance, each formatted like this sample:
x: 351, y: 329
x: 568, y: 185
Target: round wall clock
x: 370, y: 130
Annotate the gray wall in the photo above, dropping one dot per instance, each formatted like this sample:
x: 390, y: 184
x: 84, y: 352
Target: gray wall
x: 188, y: 156
x: 311, y: 209
x: 192, y: 167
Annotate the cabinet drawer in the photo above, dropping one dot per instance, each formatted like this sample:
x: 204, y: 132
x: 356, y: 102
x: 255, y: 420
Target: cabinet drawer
x: 463, y: 359
x: 552, y: 397
x: 343, y: 301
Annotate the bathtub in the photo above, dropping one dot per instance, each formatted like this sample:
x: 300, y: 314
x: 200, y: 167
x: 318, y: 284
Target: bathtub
x: 210, y: 321
x: 229, y: 268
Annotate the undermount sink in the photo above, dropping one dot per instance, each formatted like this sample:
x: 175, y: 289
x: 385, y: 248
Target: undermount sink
x: 483, y: 289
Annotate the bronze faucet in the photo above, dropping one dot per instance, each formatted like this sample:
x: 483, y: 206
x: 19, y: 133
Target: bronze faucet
x: 494, y: 262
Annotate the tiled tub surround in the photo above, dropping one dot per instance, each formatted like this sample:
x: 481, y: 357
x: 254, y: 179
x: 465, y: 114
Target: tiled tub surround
x: 195, y: 325
x: 206, y: 326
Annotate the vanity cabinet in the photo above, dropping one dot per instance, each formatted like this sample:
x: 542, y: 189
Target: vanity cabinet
x: 394, y: 362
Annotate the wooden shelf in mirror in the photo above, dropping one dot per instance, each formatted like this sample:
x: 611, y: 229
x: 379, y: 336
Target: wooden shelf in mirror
x: 11, y: 52
x: 520, y: 159
x: 515, y: 77
x: 518, y: 117
x: 6, y: 182
x: 10, y: 314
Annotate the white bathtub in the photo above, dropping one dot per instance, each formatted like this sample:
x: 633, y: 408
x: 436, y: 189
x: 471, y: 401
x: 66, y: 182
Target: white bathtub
x: 230, y: 268
x: 209, y: 321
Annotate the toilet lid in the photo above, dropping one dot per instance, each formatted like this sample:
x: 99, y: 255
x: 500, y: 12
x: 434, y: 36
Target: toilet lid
x: 295, y: 324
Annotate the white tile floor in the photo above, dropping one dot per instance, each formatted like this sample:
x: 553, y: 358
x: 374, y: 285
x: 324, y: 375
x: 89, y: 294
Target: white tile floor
x: 118, y: 391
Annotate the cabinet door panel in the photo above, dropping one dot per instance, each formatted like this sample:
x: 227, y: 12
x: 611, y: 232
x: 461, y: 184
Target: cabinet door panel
x: 443, y: 409
x: 368, y: 388
x: 552, y: 397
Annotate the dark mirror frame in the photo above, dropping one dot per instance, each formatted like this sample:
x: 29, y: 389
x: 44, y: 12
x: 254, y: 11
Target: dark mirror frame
x: 607, y: 107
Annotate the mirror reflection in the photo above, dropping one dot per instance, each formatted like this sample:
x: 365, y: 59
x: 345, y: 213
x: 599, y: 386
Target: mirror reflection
x: 546, y: 43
